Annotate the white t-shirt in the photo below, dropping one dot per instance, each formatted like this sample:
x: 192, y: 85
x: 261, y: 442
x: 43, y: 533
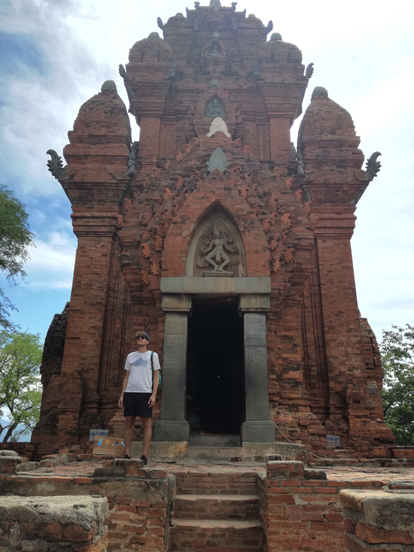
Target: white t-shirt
x: 140, y: 371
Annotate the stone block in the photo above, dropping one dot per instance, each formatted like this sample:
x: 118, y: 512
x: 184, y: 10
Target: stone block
x: 254, y: 303
x: 170, y: 430
x: 381, y: 517
x: 54, y: 523
x: 176, y: 303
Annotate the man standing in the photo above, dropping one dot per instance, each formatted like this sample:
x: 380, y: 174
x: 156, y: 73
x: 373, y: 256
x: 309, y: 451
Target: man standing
x: 139, y: 392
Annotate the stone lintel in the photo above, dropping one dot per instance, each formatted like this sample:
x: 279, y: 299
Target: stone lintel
x: 176, y: 303
x: 171, y: 430
x: 258, y: 432
x: 214, y: 285
x: 254, y: 303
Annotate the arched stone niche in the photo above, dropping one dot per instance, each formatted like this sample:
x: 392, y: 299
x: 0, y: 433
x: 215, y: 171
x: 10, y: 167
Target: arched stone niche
x: 216, y: 248
x: 215, y: 108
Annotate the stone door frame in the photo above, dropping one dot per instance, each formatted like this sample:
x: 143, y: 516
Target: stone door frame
x: 254, y: 303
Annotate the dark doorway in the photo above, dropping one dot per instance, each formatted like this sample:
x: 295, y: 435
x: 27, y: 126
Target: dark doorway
x: 215, y: 366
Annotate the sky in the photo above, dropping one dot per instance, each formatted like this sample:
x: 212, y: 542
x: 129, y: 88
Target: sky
x: 55, y: 55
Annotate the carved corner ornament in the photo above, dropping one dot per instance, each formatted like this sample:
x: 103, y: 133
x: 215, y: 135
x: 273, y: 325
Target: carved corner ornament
x: 372, y: 167
x: 132, y: 158
x: 55, y: 166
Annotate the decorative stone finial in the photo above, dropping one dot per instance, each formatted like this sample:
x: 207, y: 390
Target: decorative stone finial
x: 122, y: 71
x: 372, y: 166
x: 309, y: 70
x: 256, y: 71
x: 132, y: 159
x: 173, y: 71
x: 154, y: 35
x: 160, y: 24
x: 218, y: 125
x: 214, y: 82
x: 319, y: 91
x: 55, y: 164
x: 276, y: 36
x: 269, y: 27
x: 301, y: 165
x: 109, y: 86
x: 218, y: 160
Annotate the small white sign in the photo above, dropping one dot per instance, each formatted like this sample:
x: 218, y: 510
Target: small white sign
x: 333, y: 440
x: 99, y: 432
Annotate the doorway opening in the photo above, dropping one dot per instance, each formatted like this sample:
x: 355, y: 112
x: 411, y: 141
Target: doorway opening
x: 215, y: 367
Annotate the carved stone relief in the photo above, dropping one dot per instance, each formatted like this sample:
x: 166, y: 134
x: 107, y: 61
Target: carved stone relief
x: 215, y: 109
x: 216, y: 249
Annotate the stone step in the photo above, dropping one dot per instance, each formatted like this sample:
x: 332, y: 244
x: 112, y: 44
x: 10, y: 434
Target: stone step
x: 218, y: 507
x: 213, y: 535
x: 215, y: 482
x: 220, y: 441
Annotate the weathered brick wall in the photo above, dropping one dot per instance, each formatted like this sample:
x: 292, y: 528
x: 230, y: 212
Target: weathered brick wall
x: 57, y: 523
x: 139, y: 500
x: 378, y: 520
x: 300, y: 508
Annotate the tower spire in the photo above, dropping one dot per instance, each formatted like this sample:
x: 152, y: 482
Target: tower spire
x: 215, y: 5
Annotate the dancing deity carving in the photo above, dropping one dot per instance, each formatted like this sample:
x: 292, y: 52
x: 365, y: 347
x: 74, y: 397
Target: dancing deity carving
x: 216, y: 243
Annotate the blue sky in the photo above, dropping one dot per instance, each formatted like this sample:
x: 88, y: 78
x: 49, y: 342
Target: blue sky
x: 55, y: 54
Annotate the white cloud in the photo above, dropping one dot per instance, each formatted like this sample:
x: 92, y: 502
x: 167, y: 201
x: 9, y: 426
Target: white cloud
x: 51, y: 262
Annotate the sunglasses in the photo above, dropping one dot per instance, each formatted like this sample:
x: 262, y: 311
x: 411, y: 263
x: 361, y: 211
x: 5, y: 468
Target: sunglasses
x: 142, y: 337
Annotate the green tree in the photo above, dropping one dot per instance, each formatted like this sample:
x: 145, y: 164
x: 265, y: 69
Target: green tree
x: 15, y: 238
x: 397, y: 358
x: 20, y: 388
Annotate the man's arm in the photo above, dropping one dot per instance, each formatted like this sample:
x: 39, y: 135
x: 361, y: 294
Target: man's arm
x: 152, y: 399
x: 121, y: 398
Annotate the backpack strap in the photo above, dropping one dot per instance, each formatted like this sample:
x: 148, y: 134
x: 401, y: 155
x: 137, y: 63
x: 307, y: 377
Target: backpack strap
x: 152, y: 368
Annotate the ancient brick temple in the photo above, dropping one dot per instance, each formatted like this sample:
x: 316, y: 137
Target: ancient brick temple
x: 223, y: 239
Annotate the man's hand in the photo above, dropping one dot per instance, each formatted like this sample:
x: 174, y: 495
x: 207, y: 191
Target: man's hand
x: 121, y: 401
x: 151, y: 401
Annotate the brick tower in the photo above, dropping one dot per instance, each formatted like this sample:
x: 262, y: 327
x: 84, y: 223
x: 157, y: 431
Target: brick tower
x: 230, y: 245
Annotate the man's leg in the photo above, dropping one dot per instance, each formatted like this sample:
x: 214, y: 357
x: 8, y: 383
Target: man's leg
x: 146, y: 424
x: 129, y: 430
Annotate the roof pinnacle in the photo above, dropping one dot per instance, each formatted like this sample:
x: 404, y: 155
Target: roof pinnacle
x: 215, y: 5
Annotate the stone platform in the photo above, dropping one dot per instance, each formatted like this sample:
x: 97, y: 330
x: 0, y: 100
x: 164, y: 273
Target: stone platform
x: 182, y: 452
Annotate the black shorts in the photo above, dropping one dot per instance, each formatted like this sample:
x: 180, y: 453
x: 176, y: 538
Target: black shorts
x: 136, y: 404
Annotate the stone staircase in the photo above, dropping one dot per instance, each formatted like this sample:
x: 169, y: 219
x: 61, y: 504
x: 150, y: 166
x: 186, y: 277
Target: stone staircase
x: 216, y: 510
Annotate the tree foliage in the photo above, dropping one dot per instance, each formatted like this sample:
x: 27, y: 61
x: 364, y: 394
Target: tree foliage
x: 15, y: 238
x: 20, y: 388
x: 397, y: 358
